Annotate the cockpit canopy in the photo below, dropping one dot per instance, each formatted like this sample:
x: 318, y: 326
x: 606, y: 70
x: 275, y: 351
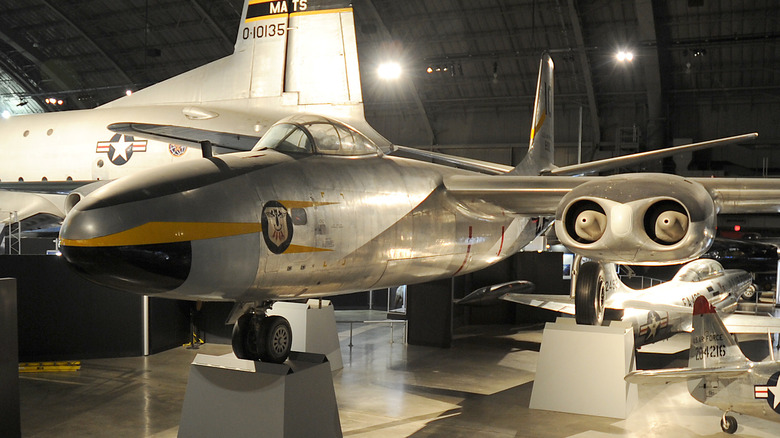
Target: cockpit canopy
x: 310, y: 134
x: 699, y: 270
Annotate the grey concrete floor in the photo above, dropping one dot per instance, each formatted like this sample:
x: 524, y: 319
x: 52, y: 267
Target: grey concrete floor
x: 478, y: 388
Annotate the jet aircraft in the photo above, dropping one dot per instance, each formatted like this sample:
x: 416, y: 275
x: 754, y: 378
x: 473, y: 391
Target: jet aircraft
x: 660, y: 311
x: 324, y: 205
x: 719, y: 374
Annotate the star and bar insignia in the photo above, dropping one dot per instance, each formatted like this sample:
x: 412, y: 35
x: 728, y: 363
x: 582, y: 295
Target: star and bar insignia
x: 121, y: 148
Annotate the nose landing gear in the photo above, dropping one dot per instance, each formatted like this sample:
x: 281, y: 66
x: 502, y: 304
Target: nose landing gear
x: 257, y: 336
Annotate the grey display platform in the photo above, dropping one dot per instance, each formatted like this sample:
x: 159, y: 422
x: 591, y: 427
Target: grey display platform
x: 227, y: 396
x: 581, y: 368
x: 10, y: 423
x: 313, y: 326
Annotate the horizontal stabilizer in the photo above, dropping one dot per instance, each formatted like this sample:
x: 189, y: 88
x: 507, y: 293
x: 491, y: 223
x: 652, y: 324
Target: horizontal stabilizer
x: 464, y: 163
x: 629, y: 160
x: 682, y: 374
x: 185, y: 136
x: 556, y: 303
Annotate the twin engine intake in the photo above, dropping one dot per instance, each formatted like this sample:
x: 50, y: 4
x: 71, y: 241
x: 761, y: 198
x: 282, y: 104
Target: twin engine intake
x: 639, y: 219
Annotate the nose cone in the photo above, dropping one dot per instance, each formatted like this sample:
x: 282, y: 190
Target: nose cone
x: 119, y: 262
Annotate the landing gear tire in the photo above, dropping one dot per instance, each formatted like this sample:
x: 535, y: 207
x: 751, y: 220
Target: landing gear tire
x: 260, y: 337
x: 728, y: 424
x: 275, y: 339
x: 748, y: 294
x: 590, y: 294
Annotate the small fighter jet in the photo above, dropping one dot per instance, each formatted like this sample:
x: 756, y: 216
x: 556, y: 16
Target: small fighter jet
x: 719, y: 374
x: 657, y: 312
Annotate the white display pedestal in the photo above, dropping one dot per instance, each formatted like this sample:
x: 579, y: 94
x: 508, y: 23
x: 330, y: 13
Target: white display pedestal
x: 232, y: 397
x: 581, y: 369
x: 313, y: 328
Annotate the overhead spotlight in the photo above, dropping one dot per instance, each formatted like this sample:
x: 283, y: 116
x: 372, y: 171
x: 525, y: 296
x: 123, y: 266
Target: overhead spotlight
x: 389, y: 70
x: 59, y: 102
x: 624, y: 56
x: 429, y: 70
x: 6, y: 114
x: 128, y: 92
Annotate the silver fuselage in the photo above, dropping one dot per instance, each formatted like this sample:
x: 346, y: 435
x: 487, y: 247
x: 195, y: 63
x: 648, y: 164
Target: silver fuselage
x: 357, y: 223
x: 722, y: 291
x: 751, y: 394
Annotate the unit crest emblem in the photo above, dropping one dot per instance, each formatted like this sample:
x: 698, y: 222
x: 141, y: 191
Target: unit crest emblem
x: 277, y: 226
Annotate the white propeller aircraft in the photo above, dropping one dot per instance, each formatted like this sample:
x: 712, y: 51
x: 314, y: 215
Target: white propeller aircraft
x: 657, y: 312
x: 719, y: 375
x: 324, y: 205
x: 276, y: 69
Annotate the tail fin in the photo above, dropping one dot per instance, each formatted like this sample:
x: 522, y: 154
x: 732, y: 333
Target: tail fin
x: 288, y: 52
x: 539, y: 158
x: 711, y: 344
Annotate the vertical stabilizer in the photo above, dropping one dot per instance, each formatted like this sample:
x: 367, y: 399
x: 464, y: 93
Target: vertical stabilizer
x: 539, y: 158
x: 711, y: 344
x: 294, y: 53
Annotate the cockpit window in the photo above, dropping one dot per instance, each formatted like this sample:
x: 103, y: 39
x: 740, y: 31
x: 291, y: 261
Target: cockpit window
x: 699, y: 270
x: 302, y: 133
x: 285, y: 137
x: 325, y: 137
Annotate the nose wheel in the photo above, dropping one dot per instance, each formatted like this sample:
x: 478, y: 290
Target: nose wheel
x: 260, y: 337
x: 728, y: 423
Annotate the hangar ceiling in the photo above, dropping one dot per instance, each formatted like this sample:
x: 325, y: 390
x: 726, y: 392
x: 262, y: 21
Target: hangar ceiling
x: 702, y: 68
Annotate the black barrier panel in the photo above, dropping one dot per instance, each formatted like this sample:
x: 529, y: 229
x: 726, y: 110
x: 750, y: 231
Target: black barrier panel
x: 65, y: 317
x: 10, y: 423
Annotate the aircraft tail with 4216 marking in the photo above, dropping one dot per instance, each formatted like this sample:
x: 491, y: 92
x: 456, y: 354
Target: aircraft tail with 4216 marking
x: 719, y: 374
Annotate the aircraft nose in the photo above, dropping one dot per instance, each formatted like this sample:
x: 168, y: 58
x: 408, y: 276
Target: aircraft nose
x: 116, y: 261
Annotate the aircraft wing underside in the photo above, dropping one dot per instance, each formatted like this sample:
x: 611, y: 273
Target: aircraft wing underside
x: 556, y: 303
x: 24, y: 205
x: 186, y: 136
x: 744, y: 323
x: 679, y: 374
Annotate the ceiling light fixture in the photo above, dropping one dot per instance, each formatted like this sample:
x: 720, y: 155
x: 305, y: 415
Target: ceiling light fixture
x: 389, y: 70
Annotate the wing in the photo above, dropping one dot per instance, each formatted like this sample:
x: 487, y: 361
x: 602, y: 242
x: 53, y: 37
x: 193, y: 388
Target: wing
x: 19, y: 206
x: 743, y: 323
x: 682, y: 374
x: 556, y: 303
x: 521, y: 195
x: 187, y: 136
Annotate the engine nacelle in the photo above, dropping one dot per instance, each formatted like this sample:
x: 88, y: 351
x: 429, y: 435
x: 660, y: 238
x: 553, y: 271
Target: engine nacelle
x: 639, y: 219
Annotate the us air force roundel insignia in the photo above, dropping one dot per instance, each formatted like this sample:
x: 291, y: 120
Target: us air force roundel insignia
x: 770, y: 392
x: 121, y: 148
x: 277, y: 227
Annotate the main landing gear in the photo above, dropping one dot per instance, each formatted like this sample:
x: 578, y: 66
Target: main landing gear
x: 257, y: 336
x: 590, y: 294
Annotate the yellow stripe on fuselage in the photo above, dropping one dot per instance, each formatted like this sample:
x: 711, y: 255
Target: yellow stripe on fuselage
x: 152, y: 233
